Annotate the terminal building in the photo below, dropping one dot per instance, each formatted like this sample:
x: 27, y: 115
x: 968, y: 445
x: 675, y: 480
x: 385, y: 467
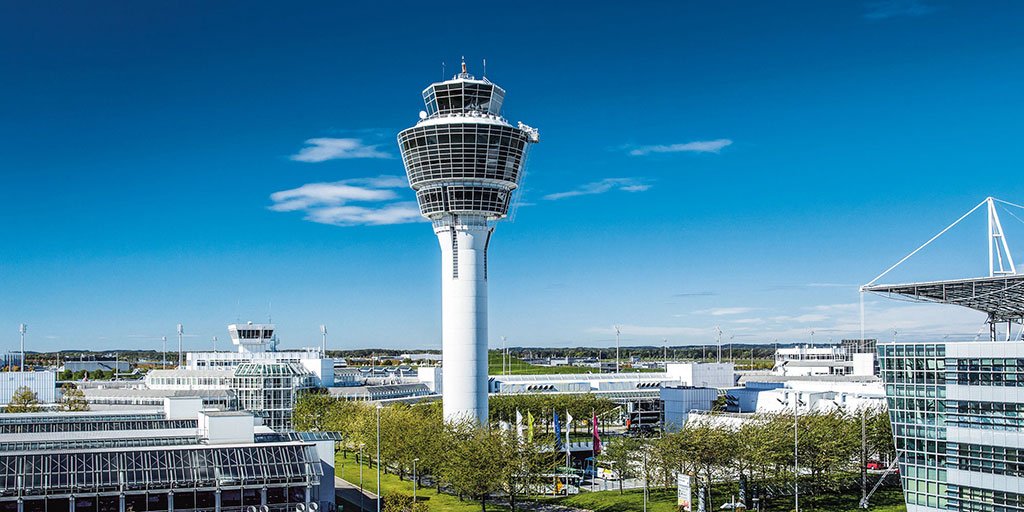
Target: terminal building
x: 957, y: 408
x: 178, y: 458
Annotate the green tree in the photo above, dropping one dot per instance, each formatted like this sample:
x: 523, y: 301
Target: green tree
x: 470, y: 465
x: 622, y: 455
x: 72, y: 398
x: 23, y: 400
x: 525, y: 463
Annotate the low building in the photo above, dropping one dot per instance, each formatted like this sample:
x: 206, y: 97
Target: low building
x: 97, y: 365
x: 176, y: 458
x: 678, y: 402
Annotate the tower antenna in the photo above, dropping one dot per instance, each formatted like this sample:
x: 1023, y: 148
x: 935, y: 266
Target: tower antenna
x: 463, y: 64
x: 485, y: 68
x: 444, y: 72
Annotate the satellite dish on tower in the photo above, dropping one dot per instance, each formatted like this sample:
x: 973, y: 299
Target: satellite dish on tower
x: 423, y: 115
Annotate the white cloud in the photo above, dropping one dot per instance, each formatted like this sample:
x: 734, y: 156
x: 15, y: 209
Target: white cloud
x: 698, y: 146
x: 724, y: 311
x: 324, y: 148
x: 330, y: 203
x: 600, y: 187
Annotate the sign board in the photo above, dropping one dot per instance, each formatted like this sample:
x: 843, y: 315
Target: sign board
x: 684, y: 493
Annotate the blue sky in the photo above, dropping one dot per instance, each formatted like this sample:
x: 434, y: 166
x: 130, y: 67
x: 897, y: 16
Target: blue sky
x: 740, y: 164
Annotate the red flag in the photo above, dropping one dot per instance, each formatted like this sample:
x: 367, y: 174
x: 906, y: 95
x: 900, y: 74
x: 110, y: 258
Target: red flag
x: 597, y: 437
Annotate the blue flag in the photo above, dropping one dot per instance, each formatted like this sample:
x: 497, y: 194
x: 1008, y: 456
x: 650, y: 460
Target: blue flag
x: 558, y: 433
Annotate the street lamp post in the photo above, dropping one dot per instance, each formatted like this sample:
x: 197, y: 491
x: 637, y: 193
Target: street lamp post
x: 618, y: 331
x: 379, y: 407
x: 361, y: 493
x: 414, y: 480
x: 796, y: 451
x: 164, y: 357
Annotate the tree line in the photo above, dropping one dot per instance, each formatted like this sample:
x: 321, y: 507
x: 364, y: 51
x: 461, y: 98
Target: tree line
x: 483, y: 462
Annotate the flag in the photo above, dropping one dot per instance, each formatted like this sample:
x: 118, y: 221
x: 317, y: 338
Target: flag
x: 529, y: 427
x: 597, y: 437
x: 558, y: 432
x: 519, y: 425
x: 568, y: 427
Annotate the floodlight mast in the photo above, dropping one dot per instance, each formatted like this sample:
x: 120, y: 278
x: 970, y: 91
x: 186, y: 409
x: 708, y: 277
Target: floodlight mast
x: 464, y: 161
x: 22, y: 329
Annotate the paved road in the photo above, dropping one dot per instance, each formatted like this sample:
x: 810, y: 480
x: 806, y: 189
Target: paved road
x: 348, y: 493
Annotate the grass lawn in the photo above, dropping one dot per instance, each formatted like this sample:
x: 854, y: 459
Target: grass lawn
x: 391, y: 484
x: 661, y: 500
x: 522, y: 368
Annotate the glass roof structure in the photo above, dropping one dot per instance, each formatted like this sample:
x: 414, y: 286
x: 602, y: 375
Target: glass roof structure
x: 47, y: 473
x: 1000, y: 297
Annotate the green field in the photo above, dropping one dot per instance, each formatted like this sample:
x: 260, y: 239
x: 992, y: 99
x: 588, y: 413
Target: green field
x: 521, y: 368
x: 661, y: 500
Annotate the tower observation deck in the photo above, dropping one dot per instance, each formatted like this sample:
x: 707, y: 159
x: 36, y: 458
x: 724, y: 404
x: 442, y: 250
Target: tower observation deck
x: 464, y: 161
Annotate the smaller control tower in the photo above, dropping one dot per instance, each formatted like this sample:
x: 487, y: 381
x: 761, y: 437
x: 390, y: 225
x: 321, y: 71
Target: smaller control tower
x: 252, y: 338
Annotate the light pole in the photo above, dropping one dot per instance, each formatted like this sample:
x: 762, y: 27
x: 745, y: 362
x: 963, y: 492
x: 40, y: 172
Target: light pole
x: 379, y: 407
x: 617, y: 332
x: 718, y: 330
x: 181, y: 331
x: 361, y: 493
x: 665, y: 341
x: 796, y: 445
x: 645, y: 477
x: 414, y: 481
x: 214, y: 343
x: 22, y: 329
x: 164, y: 356
x: 323, y: 334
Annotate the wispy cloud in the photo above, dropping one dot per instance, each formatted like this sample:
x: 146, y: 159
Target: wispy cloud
x: 330, y: 203
x: 695, y: 294
x: 896, y: 8
x: 724, y: 311
x: 325, y: 148
x: 697, y: 146
x: 600, y: 187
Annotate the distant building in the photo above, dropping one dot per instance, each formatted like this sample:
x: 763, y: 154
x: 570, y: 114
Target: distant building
x: 847, y: 358
x: 42, y: 383
x: 92, y: 366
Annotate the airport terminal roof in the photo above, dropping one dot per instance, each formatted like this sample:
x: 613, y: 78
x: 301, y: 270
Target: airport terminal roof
x: 1000, y: 297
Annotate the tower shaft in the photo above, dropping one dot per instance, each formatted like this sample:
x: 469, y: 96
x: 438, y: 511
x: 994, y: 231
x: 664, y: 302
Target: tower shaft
x: 464, y: 319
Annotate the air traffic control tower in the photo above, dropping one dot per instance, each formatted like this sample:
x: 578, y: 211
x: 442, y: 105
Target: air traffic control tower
x: 464, y: 161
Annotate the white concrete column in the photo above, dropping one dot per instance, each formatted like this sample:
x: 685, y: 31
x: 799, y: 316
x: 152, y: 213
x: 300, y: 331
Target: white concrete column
x: 464, y: 319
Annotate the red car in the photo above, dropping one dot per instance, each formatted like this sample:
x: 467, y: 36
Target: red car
x: 874, y: 465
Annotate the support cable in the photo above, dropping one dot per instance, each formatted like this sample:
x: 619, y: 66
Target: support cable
x: 932, y: 239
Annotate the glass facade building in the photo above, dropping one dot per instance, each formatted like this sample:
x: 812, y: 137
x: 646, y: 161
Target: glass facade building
x: 957, y: 412
x: 270, y: 390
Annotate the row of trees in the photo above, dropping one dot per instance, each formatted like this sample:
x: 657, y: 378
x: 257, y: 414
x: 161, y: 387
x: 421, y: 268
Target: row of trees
x: 464, y: 459
x: 477, y: 462
x: 758, y: 452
